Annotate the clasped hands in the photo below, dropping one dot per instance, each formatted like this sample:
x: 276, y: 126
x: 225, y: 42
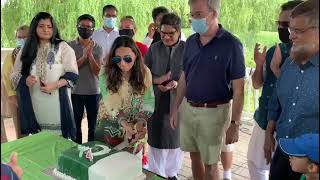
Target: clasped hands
x: 88, y: 51
x: 44, y: 87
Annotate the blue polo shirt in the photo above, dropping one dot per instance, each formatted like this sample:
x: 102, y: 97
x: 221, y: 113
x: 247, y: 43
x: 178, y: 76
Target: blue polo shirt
x: 209, y: 69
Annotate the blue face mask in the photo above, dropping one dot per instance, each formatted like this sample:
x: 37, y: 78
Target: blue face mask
x: 20, y: 42
x: 110, y: 22
x: 199, y: 25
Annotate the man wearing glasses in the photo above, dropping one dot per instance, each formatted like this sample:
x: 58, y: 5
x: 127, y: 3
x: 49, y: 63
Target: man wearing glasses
x: 164, y: 59
x: 294, y: 106
x: 211, y: 83
x: 106, y: 35
x: 265, y: 76
x: 153, y: 34
x: 86, y: 92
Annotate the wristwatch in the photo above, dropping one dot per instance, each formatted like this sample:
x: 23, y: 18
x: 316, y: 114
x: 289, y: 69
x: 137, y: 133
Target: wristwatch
x: 236, y: 122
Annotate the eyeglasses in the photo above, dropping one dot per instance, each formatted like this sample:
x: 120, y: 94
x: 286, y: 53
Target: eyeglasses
x: 283, y: 24
x: 171, y: 34
x: 117, y: 59
x: 85, y: 27
x: 299, y: 30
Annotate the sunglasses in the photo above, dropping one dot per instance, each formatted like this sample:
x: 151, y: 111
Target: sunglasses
x: 117, y: 59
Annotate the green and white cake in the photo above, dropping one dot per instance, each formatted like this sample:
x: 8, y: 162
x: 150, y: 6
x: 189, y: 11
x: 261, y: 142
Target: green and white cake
x: 96, y: 161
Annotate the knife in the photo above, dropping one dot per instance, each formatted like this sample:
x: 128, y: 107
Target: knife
x: 125, y: 143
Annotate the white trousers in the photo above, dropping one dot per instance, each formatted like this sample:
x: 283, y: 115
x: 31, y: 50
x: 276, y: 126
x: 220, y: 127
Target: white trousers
x: 257, y: 164
x: 164, y: 162
x: 256, y: 173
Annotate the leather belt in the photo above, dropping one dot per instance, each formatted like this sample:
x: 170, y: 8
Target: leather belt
x: 213, y: 104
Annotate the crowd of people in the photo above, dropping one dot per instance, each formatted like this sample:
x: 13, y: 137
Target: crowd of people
x: 168, y: 94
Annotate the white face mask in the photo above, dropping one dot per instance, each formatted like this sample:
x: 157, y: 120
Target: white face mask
x: 20, y: 42
x: 110, y: 22
x: 199, y: 25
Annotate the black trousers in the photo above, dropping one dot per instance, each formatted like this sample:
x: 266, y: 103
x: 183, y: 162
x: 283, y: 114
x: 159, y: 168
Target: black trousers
x: 91, y: 103
x: 280, y: 167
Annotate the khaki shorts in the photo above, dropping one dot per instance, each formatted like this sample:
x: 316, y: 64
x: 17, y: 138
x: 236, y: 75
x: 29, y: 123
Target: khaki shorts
x: 203, y: 130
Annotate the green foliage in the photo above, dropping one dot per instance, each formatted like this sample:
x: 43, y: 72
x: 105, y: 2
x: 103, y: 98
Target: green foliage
x: 66, y: 12
x: 242, y: 17
x: 265, y: 38
x: 250, y: 20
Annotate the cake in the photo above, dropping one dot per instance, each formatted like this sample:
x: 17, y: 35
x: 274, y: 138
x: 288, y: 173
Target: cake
x: 97, y: 161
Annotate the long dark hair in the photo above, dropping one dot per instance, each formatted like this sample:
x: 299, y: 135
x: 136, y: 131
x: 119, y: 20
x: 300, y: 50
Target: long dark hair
x: 30, y: 49
x: 114, y: 73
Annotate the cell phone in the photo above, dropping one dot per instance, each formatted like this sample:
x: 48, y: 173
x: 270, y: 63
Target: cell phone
x: 42, y: 85
x: 166, y: 82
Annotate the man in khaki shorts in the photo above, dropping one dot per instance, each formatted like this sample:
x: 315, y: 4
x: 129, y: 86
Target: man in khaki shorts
x: 213, y: 72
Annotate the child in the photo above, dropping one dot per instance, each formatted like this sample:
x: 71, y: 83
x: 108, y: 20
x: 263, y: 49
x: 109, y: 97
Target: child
x: 304, y: 154
x: 11, y: 170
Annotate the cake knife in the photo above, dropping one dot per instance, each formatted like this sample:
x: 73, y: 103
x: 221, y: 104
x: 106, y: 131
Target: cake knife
x: 125, y: 143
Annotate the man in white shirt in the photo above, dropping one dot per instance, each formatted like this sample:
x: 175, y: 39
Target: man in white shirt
x: 106, y: 35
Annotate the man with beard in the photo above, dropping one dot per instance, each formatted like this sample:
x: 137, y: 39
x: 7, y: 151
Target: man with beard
x: 265, y: 76
x: 86, y: 92
x: 294, y: 107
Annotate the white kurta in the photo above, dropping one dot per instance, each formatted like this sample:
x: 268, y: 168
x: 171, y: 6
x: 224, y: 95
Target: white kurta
x: 47, y: 106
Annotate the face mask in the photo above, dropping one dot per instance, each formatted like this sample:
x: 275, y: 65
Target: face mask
x: 20, y: 42
x: 126, y: 32
x: 110, y: 22
x: 84, y: 33
x: 199, y: 25
x: 284, y: 35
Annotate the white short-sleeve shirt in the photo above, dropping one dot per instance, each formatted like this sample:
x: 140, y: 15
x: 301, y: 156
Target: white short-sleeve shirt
x: 105, y: 39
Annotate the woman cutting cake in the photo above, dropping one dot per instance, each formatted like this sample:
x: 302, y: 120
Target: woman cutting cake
x: 127, y: 96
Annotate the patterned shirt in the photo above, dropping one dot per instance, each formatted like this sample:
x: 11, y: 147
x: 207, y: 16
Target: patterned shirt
x: 124, y: 105
x: 295, y: 102
x: 260, y: 115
